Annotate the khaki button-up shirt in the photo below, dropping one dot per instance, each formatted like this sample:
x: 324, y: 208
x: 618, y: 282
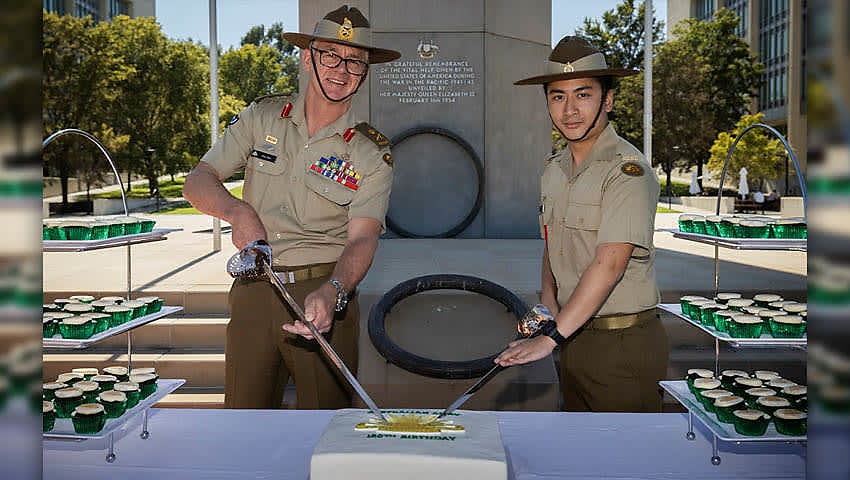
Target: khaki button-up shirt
x: 305, y: 213
x: 610, y: 198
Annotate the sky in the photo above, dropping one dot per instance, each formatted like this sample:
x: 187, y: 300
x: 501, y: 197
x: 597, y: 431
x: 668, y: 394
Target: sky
x: 189, y: 19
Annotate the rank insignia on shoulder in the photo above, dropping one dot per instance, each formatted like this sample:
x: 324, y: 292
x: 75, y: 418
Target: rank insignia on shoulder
x: 348, y: 135
x: 284, y: 112
x: 377, y: 137
x: 388, y: 159
x: 233, y: 120
x: 632, y: 169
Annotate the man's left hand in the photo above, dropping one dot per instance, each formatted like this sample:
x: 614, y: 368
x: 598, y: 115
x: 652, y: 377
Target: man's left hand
x: 318, y: 309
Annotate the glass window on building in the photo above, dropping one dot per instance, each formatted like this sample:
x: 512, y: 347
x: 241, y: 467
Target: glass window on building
x: 704, y: 9
x: 118, y: 7
x: 54, y: 6
x: 86, y: 7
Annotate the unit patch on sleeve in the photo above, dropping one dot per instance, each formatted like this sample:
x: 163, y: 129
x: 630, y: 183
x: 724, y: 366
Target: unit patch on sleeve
x: 632, y: 169
x: 233, y: 120
x: 377, y: 137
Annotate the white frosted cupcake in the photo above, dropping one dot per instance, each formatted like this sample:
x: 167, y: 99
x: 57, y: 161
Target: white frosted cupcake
x: 69, y: 377
x: 779, y: 383
x: 82, y: 298
x: 766, y: 375
x: 745, y: 326
x: 790, y: 421
x: 724, y: 297
x: 765, y: 299
x: 796, y: 308
x: 739, y: 303
x: 88, y: 418
x: 751, y: 422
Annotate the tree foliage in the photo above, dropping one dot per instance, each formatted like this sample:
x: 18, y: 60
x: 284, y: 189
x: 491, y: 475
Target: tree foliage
x: 761, y: 154
x: 265, y: 63
x: 620, y: 34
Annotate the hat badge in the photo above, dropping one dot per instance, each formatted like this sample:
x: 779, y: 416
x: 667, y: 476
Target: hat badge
x: 569, y: 68
x: 346, y: 30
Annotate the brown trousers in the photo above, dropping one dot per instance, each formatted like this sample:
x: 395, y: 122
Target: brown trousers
x: 615, y: 370
x: 261, y: 356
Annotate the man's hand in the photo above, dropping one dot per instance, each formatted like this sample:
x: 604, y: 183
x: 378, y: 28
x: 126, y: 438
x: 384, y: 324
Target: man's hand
x: 526, y: 350
x: 318, y: 309
x: 245, y: 225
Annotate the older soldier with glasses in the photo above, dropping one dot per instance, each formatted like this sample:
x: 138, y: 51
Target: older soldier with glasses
x: 317, y: 185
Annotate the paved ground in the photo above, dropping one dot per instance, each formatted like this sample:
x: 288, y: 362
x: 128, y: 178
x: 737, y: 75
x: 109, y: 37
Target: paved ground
x: 187, y: 262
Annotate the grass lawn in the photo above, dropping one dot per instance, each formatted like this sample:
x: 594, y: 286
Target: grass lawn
x: 665, y: 210
x: 186, y: 209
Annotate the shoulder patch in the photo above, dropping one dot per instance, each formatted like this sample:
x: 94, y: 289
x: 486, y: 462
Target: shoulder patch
x: 369, y: 131
x: 632, y: 169
x: 233, y: 120
x: 388, y: 159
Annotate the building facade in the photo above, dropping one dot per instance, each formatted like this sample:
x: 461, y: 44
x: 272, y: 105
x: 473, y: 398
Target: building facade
x: 775, y: 31
x: 101, y: 9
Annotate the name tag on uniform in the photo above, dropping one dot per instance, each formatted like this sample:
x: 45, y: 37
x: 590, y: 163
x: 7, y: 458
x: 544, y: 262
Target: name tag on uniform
x: 264, y: 156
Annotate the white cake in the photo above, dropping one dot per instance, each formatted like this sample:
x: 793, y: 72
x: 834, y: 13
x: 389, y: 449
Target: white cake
x: 351, y: 447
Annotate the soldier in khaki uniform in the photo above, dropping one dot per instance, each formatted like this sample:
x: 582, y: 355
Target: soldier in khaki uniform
x: 317, y: 184
x: 597, y: 215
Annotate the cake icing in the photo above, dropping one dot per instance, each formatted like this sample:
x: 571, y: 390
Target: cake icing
x: 354, y: 446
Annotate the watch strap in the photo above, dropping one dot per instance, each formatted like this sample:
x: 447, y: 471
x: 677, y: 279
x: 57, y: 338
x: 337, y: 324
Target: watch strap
x: 550, y: 329
x: 341, y: 296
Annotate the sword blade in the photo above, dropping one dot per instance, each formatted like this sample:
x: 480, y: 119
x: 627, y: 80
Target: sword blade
x: 471, y: 390
x: 326, y: 347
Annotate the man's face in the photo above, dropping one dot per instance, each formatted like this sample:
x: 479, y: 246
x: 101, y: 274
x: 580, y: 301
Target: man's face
x: 573, y: 104
x: 337, y: 81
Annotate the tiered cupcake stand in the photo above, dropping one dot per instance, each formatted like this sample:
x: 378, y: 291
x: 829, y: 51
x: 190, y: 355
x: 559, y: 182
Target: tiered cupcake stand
x: 678, y: 389
x: 63, y: 429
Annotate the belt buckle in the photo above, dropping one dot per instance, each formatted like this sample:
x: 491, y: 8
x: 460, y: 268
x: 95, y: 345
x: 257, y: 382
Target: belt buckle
x: 286, y: 277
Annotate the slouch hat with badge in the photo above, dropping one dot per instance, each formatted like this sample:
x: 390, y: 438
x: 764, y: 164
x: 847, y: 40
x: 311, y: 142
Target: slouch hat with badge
x: 347, y: 26
x: 575, y: 57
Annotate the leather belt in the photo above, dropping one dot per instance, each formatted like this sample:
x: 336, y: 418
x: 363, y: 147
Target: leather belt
x: 303, y: 273
x: 618, y: 321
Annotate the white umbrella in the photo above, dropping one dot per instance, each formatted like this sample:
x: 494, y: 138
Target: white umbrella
x: 694, y: 188
x: 743, y: 187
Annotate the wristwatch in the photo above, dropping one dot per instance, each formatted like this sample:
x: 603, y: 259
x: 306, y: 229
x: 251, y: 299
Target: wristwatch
x: 341, y: 296
x: 550, y: 329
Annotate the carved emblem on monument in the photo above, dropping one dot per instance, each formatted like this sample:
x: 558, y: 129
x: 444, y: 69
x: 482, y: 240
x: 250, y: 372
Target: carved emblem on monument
x: 427, y: 49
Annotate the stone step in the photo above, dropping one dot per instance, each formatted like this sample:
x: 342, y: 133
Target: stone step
x: 176, y: 331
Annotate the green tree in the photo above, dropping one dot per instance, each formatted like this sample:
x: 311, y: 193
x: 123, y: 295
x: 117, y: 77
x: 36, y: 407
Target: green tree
x: 761, y: 154
x: 620, y: 34
x: 163, y: 102
x: 286, y: 81
x: 704, y: 80
x: 250, y: 71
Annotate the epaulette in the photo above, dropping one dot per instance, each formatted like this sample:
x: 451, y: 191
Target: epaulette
x: 275, y: 96
x: 369, y: 131
x: 632, y: 166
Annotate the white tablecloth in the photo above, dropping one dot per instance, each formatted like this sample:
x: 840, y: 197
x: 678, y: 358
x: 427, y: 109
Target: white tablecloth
x: 242, y: 444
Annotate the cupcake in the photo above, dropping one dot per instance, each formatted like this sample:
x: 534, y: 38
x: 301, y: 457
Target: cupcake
x: 87, y: 372
x: 105, y: 382
x: 767, y: 315
x: 703, y: 384
x: 771, y: 403
x: 727, y: 378
x: 76, y: 230
x: 751, y: 395
x: 794, y: 227
x: 797, y: 395
x: 78, y: 308
x: 707, y: 313
x: 698, y: 224
x: 76, y: 327
x: 710, y: 396
x: 722, y: 319
x: 115, y: 228
x: 48, y: 390
x: 795, y: 308
x: 119, y: 314
x: 711, y: 222
x: 99, y: 230
x: 786, y: 326
x: 724, y: 297
x: 70, y: 377
x: 90, y: 390
x: 99, y: 305
x: 62, y: 302
x: 745, y: 326
x: 50, y: 307
x: 82, y: 298
x: 118, y: 371
x: 114, y: 403
x: 139, y: 308
x: 142, y: 370
x: 686, y: 223
x: 751, y: 423
x: 48, y: 326
x: 779, y: 383
x: 766, y: 375
x: 112, y: 299
x: 739, y: 303
x: 695, y: 309
x: 754, y: 229
x: 790, y: 421
x: 131, y: 390
x: 48, y: 416
x: 88, y: 418
x: 695, y: 373
x: 741, y: 384
x: 753, y: 310
x: 778, y: 305
x: 101, y: 321
x: 132, y: 225
x: 66, y: 400
x: 153, y: 304
x: 765, y: 299
x: 147, y: 383
x: 724, y: 406
x: 737, y: 230
x: 685, y: 302
x: 726, y: 226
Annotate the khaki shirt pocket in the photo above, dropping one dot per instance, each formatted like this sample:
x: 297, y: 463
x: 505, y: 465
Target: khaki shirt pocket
x: 583, y: 216
x: 329, y: 189
x: 260, y: 176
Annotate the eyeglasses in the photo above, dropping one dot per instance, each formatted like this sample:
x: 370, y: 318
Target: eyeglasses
x: 332, y: 60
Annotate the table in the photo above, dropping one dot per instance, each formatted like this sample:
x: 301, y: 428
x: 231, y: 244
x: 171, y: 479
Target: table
x: 241, y: 444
